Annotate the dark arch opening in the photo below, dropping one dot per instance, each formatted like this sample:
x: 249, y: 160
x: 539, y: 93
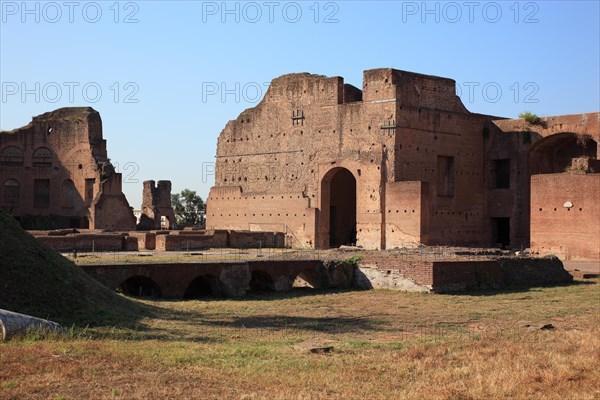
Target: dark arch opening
x: 554, y: 154
x: 202, y: 287
x: 261, y: 281
x: 341, y: 203
x: 140, y: 286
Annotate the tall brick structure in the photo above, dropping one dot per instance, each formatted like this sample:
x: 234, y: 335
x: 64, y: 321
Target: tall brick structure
x: 156, y: 203
x: 55, y: 173
x: 398, y: 162
x: 401, y: 161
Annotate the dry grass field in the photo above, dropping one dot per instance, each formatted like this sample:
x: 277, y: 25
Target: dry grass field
x: 386, y: 345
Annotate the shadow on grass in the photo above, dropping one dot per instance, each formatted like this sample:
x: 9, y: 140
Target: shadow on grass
x: 171, y: 324
x: 259, y: 295
x: 517, y: 289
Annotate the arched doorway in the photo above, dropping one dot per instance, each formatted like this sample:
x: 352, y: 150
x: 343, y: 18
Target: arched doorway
x: 338, y: 208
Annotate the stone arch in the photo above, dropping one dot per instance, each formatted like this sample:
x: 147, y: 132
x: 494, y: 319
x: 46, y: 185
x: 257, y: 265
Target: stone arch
x: 42, y: 157
x: 338, y: 208
x: 204, y: 286
x: 12, y: 192
x: 555, y: 153
x: 141, y: 286
x: 11, y: 155
x: 261, y: 281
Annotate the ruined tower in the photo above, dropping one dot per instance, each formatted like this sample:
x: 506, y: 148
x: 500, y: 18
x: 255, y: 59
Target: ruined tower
x: 156, y: 205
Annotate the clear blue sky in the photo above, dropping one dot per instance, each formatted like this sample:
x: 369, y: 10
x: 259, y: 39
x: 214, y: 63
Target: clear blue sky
x: 171, y: 57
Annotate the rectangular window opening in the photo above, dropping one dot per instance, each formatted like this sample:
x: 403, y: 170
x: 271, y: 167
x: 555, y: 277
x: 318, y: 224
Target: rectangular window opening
x: 502, y: 174
x: 41, y: 193
x: 445, y: 179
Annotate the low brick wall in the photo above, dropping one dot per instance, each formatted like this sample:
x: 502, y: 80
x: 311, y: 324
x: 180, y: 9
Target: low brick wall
x: 146, y: 240
x: 248, y: 239
x: 184, y: 242
x: 197, y: 240
x: 131, y: 243
x: 533, y: 271
x: 419, y: 271
x: 452, y: 276
x: 85, y: 242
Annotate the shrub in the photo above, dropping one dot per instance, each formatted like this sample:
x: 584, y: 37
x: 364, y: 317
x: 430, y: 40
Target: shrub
x: 530, y: 117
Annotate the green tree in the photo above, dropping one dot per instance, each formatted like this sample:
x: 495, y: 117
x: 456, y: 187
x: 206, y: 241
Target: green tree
x: 188, y: 208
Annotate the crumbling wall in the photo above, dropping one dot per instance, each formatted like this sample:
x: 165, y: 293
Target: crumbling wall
x: 156, y: 203
x: 110, y: 209
x: 529, y: 149
x: 54, y: 168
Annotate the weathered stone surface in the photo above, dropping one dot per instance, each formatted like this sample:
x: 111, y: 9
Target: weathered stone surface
x: 340, y: 275
x: 534, y: 271
x: 55, y: 173
x: 235, y: 279
x: 376, y: 278
x: 14, y: 324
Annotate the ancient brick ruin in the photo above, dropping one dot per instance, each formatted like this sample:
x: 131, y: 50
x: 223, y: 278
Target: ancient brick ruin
x: 553, y: 200
x: 319, y: 163
x: 55, y: 173
x: 156, y: 205
x: 402, y: 162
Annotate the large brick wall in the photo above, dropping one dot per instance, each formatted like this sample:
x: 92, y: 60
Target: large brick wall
x: 568, y: 232
x: 544, y: 147
x: 63, y: 155
x: 276, y: 162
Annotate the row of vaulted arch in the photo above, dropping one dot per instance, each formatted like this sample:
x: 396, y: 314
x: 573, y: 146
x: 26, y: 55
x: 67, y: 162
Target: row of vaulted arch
x: 13, y: 156
x: 206, y: 285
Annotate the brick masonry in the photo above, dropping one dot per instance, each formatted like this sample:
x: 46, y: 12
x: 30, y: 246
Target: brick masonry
x: 55, y: 172
x: 565, y: 215
x: 401, y: 161
x: 235, y: 278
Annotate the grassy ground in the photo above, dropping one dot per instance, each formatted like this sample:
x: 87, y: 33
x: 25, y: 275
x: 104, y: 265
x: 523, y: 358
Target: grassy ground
x: 386, y: 345
x: 36, y: 280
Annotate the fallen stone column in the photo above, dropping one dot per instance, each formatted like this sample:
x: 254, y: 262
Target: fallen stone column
x: 15, y: 324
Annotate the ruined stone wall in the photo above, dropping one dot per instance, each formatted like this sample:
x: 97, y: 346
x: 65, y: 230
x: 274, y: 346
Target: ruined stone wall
x: 156, y: 203
x: 519, y: 141
x: 55, y: 166
x: 110, y: 209
x: 276, y: 162
x: 568, y: 232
